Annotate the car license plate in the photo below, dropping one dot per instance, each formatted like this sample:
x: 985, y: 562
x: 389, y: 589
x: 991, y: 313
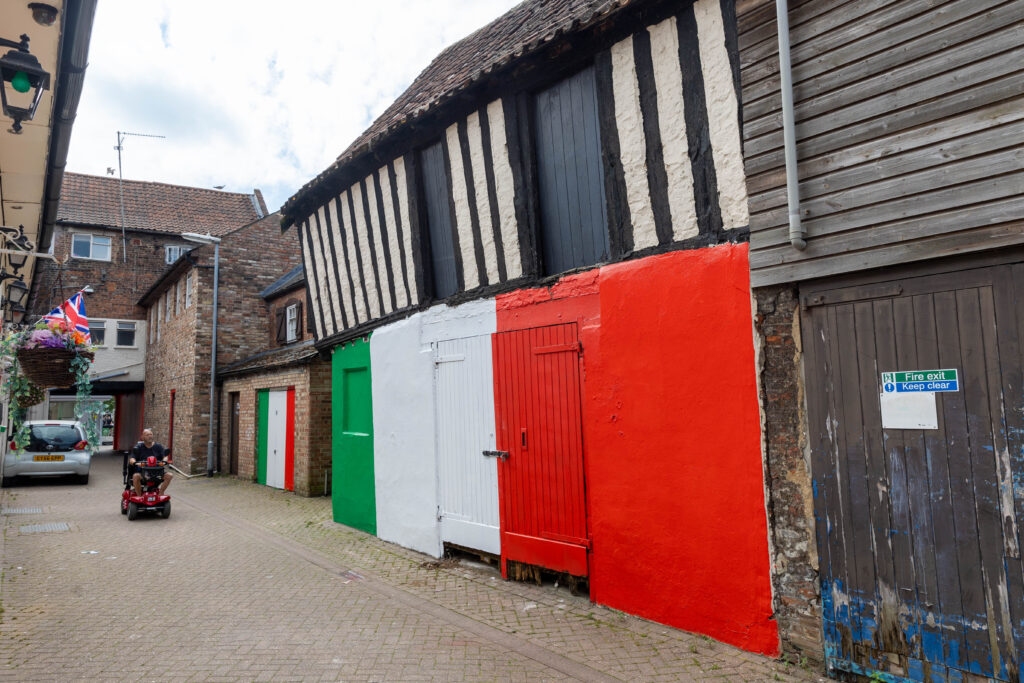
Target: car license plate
x: 48, y: 458
x: 151, y: 499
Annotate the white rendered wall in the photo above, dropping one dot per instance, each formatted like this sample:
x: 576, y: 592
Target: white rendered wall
x: 404, y: 458
x: 405, y: 470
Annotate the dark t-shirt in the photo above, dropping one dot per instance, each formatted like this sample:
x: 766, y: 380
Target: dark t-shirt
x: 140, y: 452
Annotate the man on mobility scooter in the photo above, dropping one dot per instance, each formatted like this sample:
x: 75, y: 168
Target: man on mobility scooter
x: 146, y: 491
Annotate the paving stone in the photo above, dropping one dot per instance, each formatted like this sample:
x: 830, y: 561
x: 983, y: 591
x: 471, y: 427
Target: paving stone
x: 249, y: 583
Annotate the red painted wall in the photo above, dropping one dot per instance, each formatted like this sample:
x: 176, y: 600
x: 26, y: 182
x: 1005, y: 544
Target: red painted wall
x: 672, y: 438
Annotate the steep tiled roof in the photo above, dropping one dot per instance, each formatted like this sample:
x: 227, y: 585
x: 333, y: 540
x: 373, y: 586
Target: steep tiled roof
x: 291, y: 278
x: 94, y: 200
x: 524, y: 29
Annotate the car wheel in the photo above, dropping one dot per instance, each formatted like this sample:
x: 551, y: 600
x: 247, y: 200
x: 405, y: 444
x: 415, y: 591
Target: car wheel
x: 83, y: 479
x: 133, y: 510
x: 166, y: 512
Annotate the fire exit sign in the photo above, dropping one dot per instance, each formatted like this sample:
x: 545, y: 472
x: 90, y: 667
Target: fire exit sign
x: 920, y: 380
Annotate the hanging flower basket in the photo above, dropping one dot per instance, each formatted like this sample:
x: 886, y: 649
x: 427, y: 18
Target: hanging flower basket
x: 50, y: 367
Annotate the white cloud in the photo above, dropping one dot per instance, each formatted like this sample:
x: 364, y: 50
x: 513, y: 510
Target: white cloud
x: 253, y: 94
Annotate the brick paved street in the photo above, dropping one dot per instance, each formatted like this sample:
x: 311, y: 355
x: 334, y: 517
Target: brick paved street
x: 249, y: 583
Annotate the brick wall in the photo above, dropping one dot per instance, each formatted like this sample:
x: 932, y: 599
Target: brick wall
x: 795, y: 565
x: 279, y: 303
x: 312, y: 422
x: 117, y: 284
x: 172, y: 364
x: 251, y: 259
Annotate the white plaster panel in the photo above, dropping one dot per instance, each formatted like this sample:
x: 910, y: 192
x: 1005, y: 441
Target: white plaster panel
x: 405, y: 467
x: 379, y: 245
x: 470, y: 319
x: 350, y: 246
x: 314, y: 292
x: 668, y: 80
x: 362, y: 228
x: 391, y: 230
x: 333, y: 286
x: 723, y: 119
x: 403, y: 210
x: 505, y: 187
x: 470, y: 276
x: 345, y: 292
x: 483, y: 204
x: 632, y: 145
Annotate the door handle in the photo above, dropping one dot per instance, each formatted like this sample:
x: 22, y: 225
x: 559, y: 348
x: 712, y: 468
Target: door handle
x: 501, y: 455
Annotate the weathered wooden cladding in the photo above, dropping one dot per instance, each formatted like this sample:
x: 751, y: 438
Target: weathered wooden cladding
x: 908, y: 121
x: 666, y: 139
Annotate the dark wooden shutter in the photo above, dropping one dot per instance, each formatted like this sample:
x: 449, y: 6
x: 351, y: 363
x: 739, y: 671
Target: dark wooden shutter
x: 570, y: 178
x: 439, y: 221
x: 279, y: 323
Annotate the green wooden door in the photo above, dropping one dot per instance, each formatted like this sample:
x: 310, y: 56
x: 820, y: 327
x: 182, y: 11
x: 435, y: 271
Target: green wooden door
x: 262, y: 406
x: 352, y: 484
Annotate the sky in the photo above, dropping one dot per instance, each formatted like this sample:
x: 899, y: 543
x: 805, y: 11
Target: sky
x: 251, y: 94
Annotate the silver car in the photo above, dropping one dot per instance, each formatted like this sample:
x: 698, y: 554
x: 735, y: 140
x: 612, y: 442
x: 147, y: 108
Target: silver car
x: 56, y: 448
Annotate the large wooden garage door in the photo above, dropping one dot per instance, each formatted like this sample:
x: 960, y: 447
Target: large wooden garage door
x: 916, y: 420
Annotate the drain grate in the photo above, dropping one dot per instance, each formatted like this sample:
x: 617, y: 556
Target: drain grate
x: 21, y: 511
x: 42, y: 528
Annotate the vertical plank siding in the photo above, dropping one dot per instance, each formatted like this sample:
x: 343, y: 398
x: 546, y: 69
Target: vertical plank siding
x: 671, y: 170
x: 906, y: 114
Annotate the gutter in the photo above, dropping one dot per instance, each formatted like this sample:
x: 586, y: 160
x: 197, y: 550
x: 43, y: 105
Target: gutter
x: 797, y: 234
x: 74, y: 56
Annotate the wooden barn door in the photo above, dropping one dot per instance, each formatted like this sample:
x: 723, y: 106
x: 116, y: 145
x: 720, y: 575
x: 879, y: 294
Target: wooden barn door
x: 539, y: 426
x: 914, y: 471
x: 467, y: 481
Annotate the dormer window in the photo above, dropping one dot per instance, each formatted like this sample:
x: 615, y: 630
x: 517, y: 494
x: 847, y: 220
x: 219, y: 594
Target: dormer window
x: 291, y: 315
x: 288, y: 322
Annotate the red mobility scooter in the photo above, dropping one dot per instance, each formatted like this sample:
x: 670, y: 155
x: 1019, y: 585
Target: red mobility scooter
x: 151, y: 500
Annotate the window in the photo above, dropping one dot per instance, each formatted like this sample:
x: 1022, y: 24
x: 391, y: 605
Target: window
x: 172, y: 252
x: 152, y: 324
x: 90, y: 246
x: 439, y: 220
x: 97, y: 331
x: 125, y: 333
x: 159, y: 309
x: 291, y: 323
x: 188, y: 290
x: 167, y: 305
x: 177, y: 297
x: 288, y: 323
x: 570, y: 176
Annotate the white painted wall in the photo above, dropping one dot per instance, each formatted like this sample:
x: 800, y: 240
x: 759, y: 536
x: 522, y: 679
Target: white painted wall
x: 403, y: 436
x: 404, y: 459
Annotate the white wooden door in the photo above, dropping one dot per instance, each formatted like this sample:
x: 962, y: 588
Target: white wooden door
x: 277, y: 423
x: 467, y: 481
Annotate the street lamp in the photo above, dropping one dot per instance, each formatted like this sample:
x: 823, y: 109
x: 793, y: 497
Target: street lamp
x: 17, y: 292
x: 215, y: 241
x: 21, y: 73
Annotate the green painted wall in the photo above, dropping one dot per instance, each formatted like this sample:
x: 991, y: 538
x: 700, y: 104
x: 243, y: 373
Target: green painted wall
x: 352, y: 483
x: 262, y: 413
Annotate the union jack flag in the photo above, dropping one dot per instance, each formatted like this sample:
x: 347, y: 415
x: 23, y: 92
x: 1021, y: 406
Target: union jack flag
x: 72, y: 312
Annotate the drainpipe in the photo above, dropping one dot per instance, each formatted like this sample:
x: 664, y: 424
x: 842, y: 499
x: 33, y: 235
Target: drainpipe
x: 215, y: 241
x: 796, y: 230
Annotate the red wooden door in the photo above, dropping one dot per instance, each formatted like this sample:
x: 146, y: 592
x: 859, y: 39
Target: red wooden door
x: 539, y: 425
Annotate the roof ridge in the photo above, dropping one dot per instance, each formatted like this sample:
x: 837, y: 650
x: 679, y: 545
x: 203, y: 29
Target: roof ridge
x: 210, y: 190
